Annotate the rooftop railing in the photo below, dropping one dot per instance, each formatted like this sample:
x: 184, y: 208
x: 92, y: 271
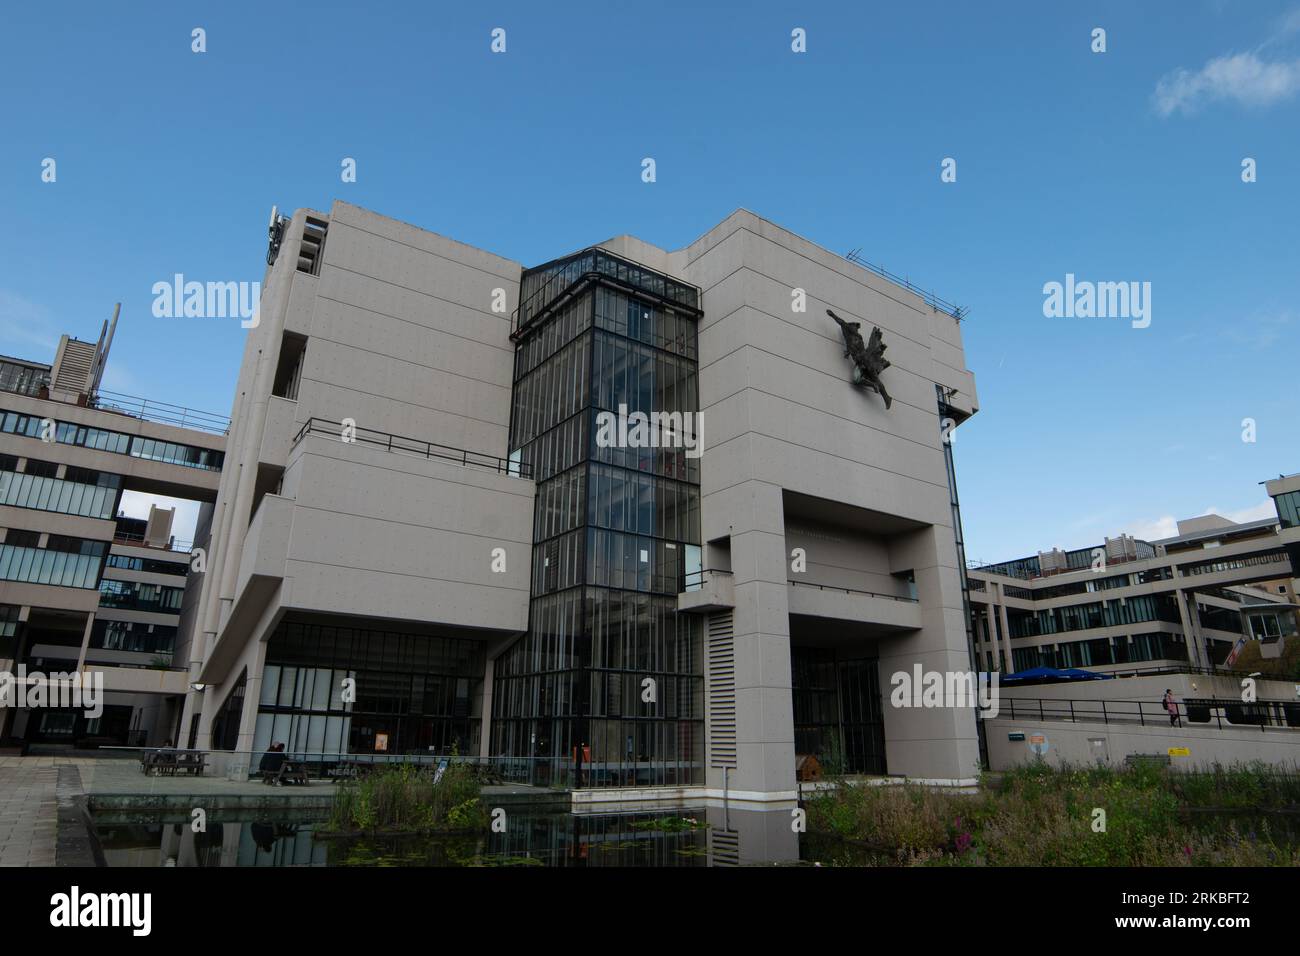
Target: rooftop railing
x: 412, y: 446
x: 137, y: 540
x: 570, y: 277
x: 930, y: 299
x: 163, y: 413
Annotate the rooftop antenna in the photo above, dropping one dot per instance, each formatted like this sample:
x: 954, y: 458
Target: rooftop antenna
x: 101, y: 350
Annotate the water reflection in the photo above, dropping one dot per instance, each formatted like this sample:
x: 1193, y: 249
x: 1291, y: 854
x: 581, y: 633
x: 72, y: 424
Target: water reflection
x: 296, y: 838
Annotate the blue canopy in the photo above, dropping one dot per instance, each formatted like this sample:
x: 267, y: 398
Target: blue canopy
x: 1048, y: 675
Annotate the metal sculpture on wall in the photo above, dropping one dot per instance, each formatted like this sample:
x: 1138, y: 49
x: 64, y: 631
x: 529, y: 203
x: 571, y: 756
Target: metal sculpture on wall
x: 868, y: 358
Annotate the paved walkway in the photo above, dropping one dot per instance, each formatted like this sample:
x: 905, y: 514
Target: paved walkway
x: 29, y: 810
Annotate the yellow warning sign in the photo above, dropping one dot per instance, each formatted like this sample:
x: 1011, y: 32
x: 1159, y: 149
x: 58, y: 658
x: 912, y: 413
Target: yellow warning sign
x: 1179, y: 752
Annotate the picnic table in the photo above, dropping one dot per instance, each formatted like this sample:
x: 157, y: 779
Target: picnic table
x: 170, y: 762
x: 288, y: 772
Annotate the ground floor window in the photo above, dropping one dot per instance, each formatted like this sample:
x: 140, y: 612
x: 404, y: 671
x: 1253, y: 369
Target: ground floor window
x: 606, y: 690
x: 339, y: 689
x: 837, y: 710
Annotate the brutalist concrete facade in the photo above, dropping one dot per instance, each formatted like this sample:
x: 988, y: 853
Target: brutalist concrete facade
x: 826, y: 520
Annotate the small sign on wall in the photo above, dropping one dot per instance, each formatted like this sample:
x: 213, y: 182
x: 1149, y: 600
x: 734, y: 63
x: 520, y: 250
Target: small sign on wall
x: 1016, y: 735
x: 1180, y: 752
x: 381, y: 741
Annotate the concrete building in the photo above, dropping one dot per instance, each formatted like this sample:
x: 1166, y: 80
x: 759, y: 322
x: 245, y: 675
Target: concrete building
x: 84, y: 589
x: 1208, y: 616
x: 445, y: 523
x: 1125, y: 605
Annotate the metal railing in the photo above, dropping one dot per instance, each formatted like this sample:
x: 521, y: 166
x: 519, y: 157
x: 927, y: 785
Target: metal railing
x: 591, y: 265
x: 694, y: 580
x: 930, y: 299
x: 162, y: 412
x: 1191, y: 711
x: 412, y: 446
x: 564, y: 773
x: 832, y: 587
x: 173, y: 543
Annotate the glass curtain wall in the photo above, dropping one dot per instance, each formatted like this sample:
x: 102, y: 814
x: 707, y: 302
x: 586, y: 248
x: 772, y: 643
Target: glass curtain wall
x: 414, y: 693
x: 606, y: 688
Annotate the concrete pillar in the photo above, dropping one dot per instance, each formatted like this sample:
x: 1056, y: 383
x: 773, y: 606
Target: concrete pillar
x: 1006, y: 633
x: 929, y: 743
x: 991, y: 633
x: 765, y: 759
x: 1197, y: 654
x: 85, y: 641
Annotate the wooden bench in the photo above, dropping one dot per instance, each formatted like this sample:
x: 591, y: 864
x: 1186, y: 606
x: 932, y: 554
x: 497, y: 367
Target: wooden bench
x: 157, y: 762
x: 192, y: 763
x: 289, y: 772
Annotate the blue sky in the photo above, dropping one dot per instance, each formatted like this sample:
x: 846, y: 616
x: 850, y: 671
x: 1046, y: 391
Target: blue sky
x: 1115, y: 166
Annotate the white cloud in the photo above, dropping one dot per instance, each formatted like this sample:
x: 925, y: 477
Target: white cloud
x: 1242, y: 78
x: 1264, y: 509
x: 1153, y: 529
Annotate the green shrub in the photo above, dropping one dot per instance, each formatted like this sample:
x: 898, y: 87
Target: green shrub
x: 404, y: 797
x: 1040, y: 815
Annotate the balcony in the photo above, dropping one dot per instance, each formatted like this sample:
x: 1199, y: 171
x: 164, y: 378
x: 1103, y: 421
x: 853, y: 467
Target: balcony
x: 888, y: 611
x: 707, y: 590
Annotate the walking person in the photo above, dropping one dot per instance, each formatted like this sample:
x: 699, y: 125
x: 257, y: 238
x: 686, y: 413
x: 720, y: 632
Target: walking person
x: 1171, y: 706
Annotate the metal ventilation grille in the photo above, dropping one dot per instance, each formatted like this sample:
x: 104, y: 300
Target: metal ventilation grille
x: 313, y: 245
x: 722, y: 690
x: 725, y: 845
x: 73, y: 370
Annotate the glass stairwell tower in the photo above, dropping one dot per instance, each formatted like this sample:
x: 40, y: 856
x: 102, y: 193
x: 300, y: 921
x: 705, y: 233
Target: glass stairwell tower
x: 606, y: 687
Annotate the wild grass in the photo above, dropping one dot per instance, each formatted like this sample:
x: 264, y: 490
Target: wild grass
x: 404, y: 798
x: 1045, y: 816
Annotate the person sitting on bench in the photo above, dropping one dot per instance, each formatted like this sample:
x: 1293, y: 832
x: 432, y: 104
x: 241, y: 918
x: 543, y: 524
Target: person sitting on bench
x: 272, y: 761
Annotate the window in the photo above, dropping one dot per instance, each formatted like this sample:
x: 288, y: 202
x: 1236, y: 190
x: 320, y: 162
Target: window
x: 63, y: 562
x: 68, y: 433
x: 1288, y: 508
x: 288, y: 372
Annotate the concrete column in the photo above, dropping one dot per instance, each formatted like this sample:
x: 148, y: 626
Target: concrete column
x: 1196, y: 652
x: 85, y: 641
x: 929, y: 743
x: 764, y: 700
x: 987, y: 642
x: 1006, y: 633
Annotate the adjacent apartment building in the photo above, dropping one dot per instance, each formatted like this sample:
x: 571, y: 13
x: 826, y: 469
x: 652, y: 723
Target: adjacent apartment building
x: 622, y: 519
x: 1188, y: 601
x: 85, y: 589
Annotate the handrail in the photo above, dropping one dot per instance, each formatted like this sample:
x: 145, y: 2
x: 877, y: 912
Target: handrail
x: 699, y: 576
x: 137, y: 540
x: 591, y: 272
x: 930, y: 299
x: 834, y: 587
x: 1191, y: 710
x: 425, y: 449
x: 164, y: 413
